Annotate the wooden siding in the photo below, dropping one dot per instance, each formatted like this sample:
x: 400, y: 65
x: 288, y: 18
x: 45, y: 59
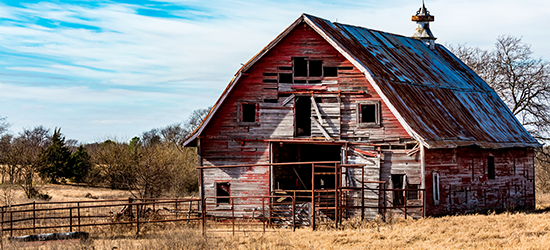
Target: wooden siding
x: 464, y: 184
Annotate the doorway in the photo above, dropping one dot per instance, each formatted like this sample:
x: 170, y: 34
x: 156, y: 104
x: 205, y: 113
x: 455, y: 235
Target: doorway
x: 297, y: 177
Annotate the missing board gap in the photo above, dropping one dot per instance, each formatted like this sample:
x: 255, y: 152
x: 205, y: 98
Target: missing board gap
x: 270, y: 80
x: 285, y: 68
x: 345, y: 68
x: 270, y: 74
x: 330, y: 71
x: 285, y: 77
x: 314, y: 81
x: 270, y: 100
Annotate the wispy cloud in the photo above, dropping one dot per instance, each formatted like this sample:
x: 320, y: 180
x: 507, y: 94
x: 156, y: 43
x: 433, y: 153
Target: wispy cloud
x: 122, y: 67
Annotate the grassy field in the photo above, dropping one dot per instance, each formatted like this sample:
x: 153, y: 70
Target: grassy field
x: 482, y: 231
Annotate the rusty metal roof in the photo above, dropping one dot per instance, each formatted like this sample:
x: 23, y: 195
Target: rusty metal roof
x: 440, y: 101
x: 437, y: 98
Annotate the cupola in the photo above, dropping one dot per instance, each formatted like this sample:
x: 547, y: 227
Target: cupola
x: 423, y: 32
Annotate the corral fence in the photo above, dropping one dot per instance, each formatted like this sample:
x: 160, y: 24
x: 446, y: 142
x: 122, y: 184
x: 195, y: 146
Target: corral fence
x: 42, y: 217
x: 211, y: 214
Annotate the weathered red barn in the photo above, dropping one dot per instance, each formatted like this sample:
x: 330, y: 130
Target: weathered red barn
x: 368, y: 121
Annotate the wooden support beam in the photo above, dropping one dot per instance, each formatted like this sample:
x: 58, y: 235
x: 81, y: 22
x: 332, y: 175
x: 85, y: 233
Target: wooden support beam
x: 327, y: 136
x: 288, y: 99
x: 316, y: 108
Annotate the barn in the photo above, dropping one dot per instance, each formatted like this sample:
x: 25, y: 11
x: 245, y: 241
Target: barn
x: 349, y: 121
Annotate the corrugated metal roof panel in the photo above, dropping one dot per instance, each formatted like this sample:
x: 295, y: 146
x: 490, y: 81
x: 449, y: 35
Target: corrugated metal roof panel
x: 442, y: 100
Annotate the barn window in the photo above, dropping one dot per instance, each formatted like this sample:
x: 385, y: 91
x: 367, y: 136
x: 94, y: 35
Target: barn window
x: 223, y: 191
x: 491, y: 167
x: 368, y: 114
x: 315, y: 68
x: 248, y: 113
x: 300, y: 66
x: 305, y: 67
x: 435, y: 181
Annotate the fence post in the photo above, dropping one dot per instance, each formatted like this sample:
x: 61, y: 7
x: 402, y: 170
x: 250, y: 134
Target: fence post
x: 188, y: 212
x: 383, y: 191
x: 137, y: 219
x: 34, y: 216
x: 233, y: 214
x: 70, y: 219
x: 363, y: 193
x: 203, y: 214
x: 11, y: 223
x: 263, y: 212
x: 313, y: 196
x: 78, y: 205
x: 405, y: 199
x: 176, y: 208
x: 294, y: 212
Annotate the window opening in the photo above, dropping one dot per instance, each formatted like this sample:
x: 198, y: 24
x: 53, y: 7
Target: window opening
x: 223, y: 190
x: 248, y: 112
x: 330, y: 71
x: 368, y: 113
x: 491, y: 167
x: 315, y: 68
x: 297, y: 177
x: 302, y: 116
x: 300, y: 66
x: 435, y: 181
x: 398, y: 183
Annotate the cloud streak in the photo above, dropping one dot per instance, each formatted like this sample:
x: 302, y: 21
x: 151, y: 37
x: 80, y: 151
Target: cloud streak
x: 119, y: 68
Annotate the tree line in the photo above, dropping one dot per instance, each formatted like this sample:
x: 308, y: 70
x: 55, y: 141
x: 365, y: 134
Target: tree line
x: 150, y: 165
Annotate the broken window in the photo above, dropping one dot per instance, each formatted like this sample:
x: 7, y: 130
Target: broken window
x: 302, y: 118
x: 368, y: 114
x: 435, y: 181
x: 491, y: 167
x: 247, y: 113
x: 223, y: 191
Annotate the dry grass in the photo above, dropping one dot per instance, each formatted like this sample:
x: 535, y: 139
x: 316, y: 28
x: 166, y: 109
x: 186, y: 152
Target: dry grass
x: 16, y: 195
x: 489, y: 231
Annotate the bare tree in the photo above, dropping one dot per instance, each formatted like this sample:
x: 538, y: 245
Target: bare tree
x: 521, y: 81
x: 27, y: 148
x: 4, y: 125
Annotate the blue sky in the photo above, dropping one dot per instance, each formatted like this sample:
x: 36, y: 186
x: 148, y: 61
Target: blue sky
x: 113, y: 69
